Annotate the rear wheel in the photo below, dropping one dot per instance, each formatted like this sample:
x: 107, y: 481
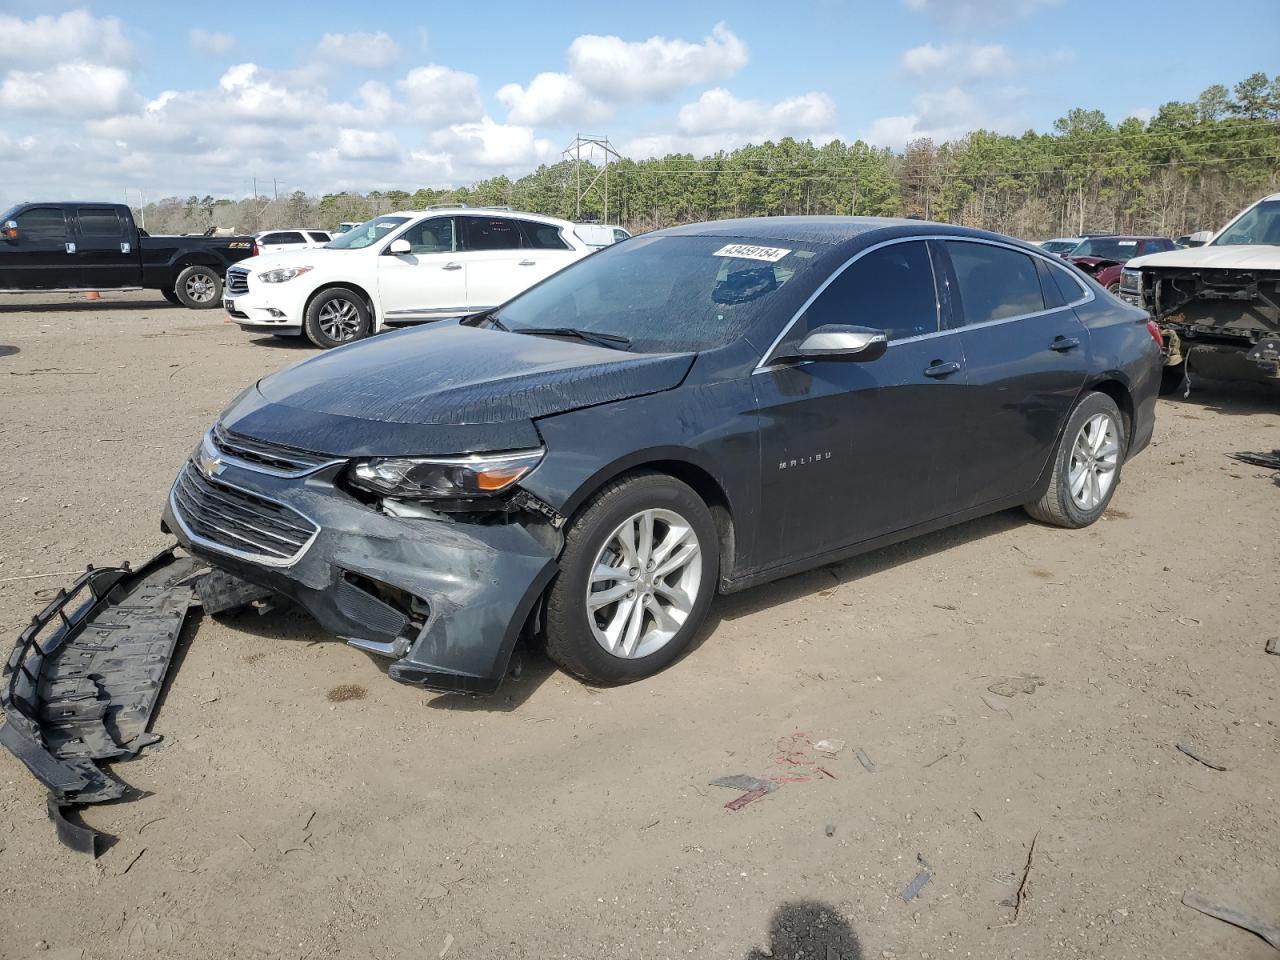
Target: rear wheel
x: 637, y: 576
x: 337, y: 316
x: 1086, y: 465
x: 198, y: 287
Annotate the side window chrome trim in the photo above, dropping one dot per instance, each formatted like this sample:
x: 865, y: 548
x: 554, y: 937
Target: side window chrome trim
x: 1053, y: 261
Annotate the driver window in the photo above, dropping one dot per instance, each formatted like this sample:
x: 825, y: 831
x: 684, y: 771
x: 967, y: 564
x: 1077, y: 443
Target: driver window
x: 431, y: 236
x: 890, y: 289
x: 42, y: 223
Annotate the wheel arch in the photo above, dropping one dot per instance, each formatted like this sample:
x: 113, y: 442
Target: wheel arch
x: 684, y: 465
x: 343, y: 285
x: 1115, y: 387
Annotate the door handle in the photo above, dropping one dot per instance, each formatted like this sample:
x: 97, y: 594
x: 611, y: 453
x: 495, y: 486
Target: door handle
x: 940, y: 369
x: 71, y: 247
x: 452, y: 266
x: 528, y: 263
x: 1062, y: 344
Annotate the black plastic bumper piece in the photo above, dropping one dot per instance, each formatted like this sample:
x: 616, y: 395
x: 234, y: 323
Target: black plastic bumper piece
x: 82, y: 681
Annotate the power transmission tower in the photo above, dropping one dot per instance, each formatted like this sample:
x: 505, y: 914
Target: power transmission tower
x: 598, y: 180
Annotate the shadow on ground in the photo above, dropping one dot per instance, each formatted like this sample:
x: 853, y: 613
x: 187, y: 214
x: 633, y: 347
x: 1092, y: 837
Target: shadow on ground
x: 809, y: 930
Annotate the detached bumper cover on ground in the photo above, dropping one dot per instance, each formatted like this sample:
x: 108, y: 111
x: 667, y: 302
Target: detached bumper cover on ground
x: 83, y: 679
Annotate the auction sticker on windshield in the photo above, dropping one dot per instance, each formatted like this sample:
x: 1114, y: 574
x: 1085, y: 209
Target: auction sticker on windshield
x: 749, y: 252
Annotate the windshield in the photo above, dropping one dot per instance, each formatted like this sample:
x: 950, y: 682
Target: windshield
x: 366, y: 233
x: 1058, y: 246
x: 1107, y: 248
x: 664, y: 293
x: 1259, y: 224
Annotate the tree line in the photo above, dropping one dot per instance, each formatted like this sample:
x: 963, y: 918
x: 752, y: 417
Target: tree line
x: 1189, y: 167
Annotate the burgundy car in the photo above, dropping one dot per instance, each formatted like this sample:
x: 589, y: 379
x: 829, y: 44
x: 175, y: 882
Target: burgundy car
x: 1104, y: 257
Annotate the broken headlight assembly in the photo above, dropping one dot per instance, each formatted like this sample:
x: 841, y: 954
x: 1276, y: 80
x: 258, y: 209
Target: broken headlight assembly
x: 281, y: 274
x: 443, y: 478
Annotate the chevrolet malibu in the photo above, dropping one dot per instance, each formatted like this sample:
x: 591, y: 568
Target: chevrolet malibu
x: 697, y: 410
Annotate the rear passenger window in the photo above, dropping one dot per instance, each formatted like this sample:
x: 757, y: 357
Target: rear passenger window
x: 994, y: 282
x: 99, y: 222
x: 286, y: 236
x: 541, y: 236
x: 1069, y: 286
x: 1049, y: 286
x: 490, y: 233
x: 889, y: 289
x: 318, y: 237
x: 42, y: 223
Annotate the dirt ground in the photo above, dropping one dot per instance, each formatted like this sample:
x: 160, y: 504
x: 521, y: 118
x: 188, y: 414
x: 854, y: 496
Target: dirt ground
x: 302, y: 805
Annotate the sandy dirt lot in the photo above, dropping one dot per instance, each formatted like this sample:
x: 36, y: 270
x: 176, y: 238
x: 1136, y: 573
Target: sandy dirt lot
x: 302, y: 805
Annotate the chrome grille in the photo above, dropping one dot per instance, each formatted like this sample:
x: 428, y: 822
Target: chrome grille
x: 285, y: 461
x: 237, y: 281
x: 236, y: 521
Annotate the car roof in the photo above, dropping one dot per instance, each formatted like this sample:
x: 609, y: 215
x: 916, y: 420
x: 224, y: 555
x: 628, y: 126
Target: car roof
x: 847, y: 232
x: 482, y: 212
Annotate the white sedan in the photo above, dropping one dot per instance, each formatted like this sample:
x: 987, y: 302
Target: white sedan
x: 405, y: 267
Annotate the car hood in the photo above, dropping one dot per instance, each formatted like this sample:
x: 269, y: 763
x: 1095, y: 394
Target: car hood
x: 1236, y: 257
x: 1093, y: 264
x: 438, y: 390
x: 287, y: 258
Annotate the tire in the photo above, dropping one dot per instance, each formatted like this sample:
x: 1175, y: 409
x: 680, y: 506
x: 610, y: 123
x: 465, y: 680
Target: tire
x: 1114, y: 289
x: 578, y: 633
x: 1171, y: 378
x: 336, y: 316
x: 198, y: 287
x: 1061, y: 505
x: 172, y: 298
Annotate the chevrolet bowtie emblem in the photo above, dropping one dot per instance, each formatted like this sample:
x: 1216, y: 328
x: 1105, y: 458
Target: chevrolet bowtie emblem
x: 211, y: 466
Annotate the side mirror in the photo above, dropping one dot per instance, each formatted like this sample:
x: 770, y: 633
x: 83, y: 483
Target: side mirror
x: 399, y: 246
x: 10, y: 230
x: 835, y: 341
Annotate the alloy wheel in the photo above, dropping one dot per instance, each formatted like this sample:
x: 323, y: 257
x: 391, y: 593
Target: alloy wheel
x: 1095, y: 455
x: 340, y: 320
x: 199, y: 288
x: 644, y: 583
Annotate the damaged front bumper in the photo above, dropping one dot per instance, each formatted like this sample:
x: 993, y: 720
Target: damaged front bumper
x: 445, y: 599
x: 83, y: 678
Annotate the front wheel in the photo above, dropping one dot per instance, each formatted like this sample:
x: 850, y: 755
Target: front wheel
x: 637, y: 576
x: 337, y: 316
x: 1086, y: 465
x: 1114, y: 288
x: 198, y: 287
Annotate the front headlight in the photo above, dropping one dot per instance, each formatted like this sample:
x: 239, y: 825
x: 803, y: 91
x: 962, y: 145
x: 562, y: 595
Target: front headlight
x: 281, y: 274
x: 432, y: 478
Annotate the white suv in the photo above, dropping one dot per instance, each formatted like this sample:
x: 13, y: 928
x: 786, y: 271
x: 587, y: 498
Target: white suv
x: 280, y: 241
x: 405, y: 267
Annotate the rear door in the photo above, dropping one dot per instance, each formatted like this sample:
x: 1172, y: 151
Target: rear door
x: 43, y: 255
x: 1026, y: 360
x: 282, y: 240
x: 428, y: 282
x: 543, y: 251
x: 492, y: 251
x: 106, y: 248
x: 855, y: 450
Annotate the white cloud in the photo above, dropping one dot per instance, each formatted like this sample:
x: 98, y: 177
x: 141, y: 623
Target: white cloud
x: 69, y: 89
x: 1145, y: 114
x: 75, y: 35
x: 492, y: 146
x: 369, y: 50
x: 718, y: 120
x: 616, y: 69
x: 208, y: 41
x: 941, y: 115
x: 438, y: 95
x: 961, y: 62
x: 552, y: 98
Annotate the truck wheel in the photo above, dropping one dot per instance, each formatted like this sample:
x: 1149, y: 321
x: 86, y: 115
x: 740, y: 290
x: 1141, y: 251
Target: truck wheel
x: 1171, y: 378
x: 637, y: 575
x: 1114, y: 288
x: 337, y: 316
x: 171, y: 297
x: 198, y: 287
x: 1086, y: 465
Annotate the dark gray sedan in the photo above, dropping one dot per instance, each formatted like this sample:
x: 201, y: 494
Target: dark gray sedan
x: 687, y: 412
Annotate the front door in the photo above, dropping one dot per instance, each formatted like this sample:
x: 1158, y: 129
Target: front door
x: 1026, y: 360
x: 43, y: 255
x: 105, y: 247
x: 427, y: 283
x: 855, y: 450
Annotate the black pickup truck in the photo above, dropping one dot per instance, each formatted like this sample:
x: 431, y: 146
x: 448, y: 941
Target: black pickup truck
x: 97, y: 246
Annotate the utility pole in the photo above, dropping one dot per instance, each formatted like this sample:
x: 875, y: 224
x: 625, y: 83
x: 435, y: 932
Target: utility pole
x: 574, y: 152
x: 275, y: 189
x: 255, y: 188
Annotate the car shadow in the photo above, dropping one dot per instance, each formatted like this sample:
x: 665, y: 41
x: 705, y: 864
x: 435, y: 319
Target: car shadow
x: 1230, y: 397
x: 88, y: 306
x: 809, y: 930
x: 284, y: 343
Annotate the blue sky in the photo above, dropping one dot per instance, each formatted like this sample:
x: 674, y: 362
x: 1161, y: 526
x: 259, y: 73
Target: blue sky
x: 100, y: 97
